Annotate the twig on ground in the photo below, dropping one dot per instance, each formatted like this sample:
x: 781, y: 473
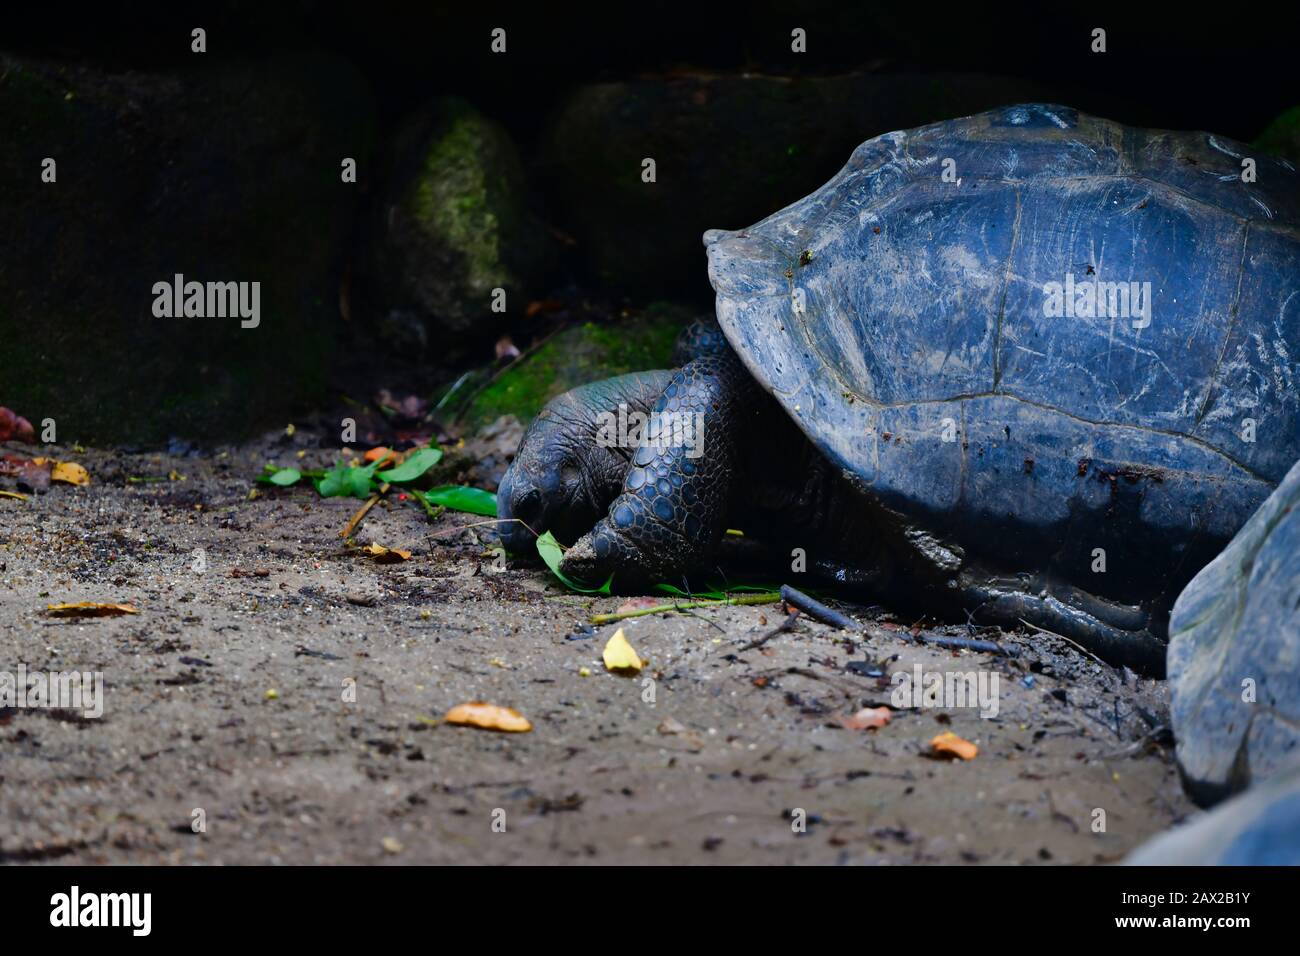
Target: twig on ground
x: 834, y: 618
x: 1138, y: 746
x: 478, y: 524
x: 781, y: 628
x: 362, y: 512
x: 818, y: 610
x: 966, y: 644
x: 1075, y: 644
x: 713, y: 624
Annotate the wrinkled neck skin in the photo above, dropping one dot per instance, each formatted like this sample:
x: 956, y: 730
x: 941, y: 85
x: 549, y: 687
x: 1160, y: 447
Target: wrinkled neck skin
x: 596, y: 414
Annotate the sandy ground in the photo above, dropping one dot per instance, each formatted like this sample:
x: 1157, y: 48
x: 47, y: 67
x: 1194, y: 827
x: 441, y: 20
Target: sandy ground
x: 226, y: 695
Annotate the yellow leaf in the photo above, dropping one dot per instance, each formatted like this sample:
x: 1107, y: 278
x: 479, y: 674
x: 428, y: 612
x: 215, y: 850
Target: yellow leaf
x: 950, y: 745
x: 488, y: 717
x: 65, y: 471
x: 384, y: 555
x: 619, y: 656
x: 12, y: 494
x: 89, y: 609
x: 70, y: 472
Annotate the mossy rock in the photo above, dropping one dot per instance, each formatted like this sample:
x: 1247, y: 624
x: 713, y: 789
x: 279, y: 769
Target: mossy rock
x: 581, y: 354
x: 457, y: 226
x: 223, y: 174
x: 1282, y: 137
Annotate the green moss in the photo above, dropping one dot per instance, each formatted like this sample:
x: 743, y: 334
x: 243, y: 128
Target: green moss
x: 585, y: 353
x: 453, y: 198
x: 1282, y: 137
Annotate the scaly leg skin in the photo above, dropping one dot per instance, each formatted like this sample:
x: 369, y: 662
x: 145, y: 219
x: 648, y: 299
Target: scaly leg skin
x: 675, y: 498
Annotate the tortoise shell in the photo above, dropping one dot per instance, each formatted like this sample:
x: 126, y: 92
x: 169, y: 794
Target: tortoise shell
x: 1038, y: 332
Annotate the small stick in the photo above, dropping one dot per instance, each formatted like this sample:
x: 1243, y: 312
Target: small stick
x: 361, y: 514
x: 834, y: 618
x: 953, y: 643
x: 479, y: 524
x: 779, y: 629
x: 966, y: 644
x: 817, y: 609
x: 764, y: 598
x: 713, y: 624
x: 1149, y: 738
x: 1076, y: 644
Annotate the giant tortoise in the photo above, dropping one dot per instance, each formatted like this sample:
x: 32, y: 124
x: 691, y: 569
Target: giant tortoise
x: 1030, y: 365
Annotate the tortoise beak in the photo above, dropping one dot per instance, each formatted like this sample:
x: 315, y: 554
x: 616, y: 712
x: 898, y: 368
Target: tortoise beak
x: 519, y: 505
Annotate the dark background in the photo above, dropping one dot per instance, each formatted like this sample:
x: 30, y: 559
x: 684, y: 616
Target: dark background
x: 1173, y: 65
x: 225, y: 166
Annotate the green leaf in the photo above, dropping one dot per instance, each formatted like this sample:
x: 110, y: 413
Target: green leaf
x: 414, y: 466
x: 285, y: 477
x: 552, y: 553
x: 476, y: 501
x: 268, y: 473
x: 344, y: 481
x: 361, y: 481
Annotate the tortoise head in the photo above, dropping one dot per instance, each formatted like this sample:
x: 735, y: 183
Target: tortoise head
x: 566, y: 471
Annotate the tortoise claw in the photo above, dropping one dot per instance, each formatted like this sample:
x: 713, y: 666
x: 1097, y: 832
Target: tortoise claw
x: 582, y: 564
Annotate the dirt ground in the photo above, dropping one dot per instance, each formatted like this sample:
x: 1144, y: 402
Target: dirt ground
x: 226, y: 695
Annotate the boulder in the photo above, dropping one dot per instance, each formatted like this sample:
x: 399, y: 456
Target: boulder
x: 728, y: 150
x: 1234, y: 655
x: 222, y: 173
x: 1258, y: 828
x: 455, y: 226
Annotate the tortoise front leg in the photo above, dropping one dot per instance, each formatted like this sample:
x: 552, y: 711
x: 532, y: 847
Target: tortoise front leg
x: 673, y: 507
